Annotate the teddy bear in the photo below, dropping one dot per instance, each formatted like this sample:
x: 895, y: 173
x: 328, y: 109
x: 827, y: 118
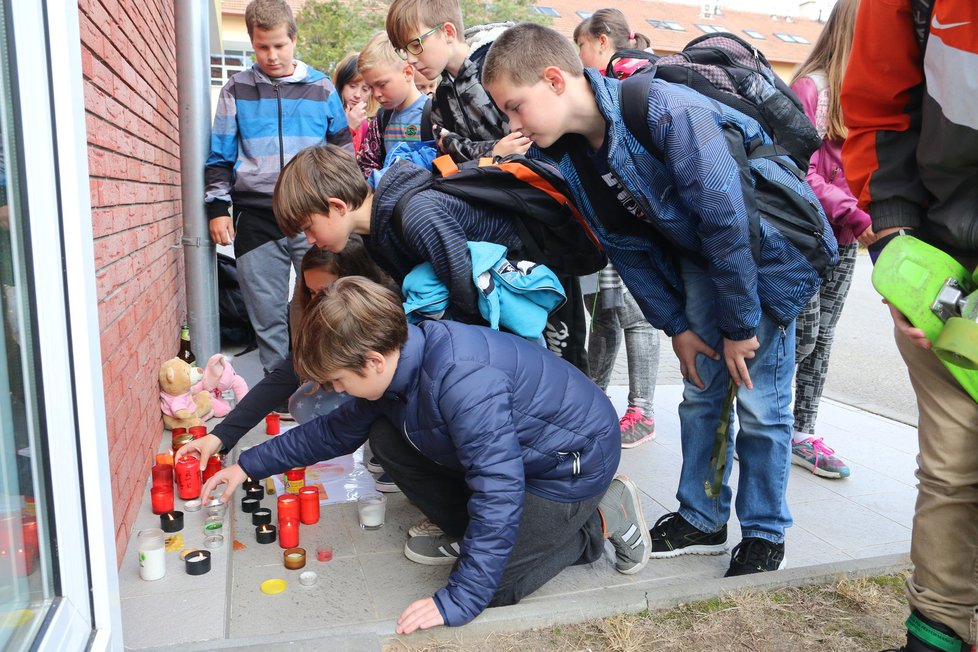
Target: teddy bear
x: 219, y: 376
x: 182, y: 407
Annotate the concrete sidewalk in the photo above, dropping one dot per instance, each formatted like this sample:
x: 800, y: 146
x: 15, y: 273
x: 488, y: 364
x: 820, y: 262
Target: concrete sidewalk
x: 859, y: 524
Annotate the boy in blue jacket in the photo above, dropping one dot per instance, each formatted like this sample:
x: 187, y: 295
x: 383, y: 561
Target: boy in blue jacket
x: 511, y: 451
x: 675, y: 224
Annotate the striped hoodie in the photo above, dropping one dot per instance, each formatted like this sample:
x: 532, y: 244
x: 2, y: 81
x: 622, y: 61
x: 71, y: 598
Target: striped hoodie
x: 912, y: 152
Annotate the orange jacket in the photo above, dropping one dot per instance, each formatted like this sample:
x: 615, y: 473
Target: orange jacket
x: 911, y: 157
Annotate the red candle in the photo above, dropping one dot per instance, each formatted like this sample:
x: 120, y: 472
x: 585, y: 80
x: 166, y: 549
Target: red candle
x: 213, y: 466
x: 188, y: 477
x: 198, y: 431
x: 288, y: 533
x: 162, y: 499
x: 309, y: 505
x: 272, y: 424
x: 165, y: 458
x: 163, y: 476
x: 30, y: 532
x: 176, y: 432
x: 288, y: 508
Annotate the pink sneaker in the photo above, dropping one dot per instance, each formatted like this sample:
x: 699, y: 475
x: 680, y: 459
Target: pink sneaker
x: 636, y: 428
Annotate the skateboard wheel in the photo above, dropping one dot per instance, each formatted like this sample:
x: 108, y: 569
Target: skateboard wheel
x: 957, y: 343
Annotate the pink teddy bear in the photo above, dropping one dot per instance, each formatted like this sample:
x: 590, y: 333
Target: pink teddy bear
x: 218, y: 376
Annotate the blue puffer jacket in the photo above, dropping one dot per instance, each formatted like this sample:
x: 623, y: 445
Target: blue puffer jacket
x: 695, y: 198
x: 509, y: 413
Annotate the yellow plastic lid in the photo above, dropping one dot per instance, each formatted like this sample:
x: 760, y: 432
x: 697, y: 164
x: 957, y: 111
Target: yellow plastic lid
x: 271, y: 587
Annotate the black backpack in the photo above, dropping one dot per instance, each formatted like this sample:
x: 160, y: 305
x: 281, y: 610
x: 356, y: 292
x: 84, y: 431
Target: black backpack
x: 552, y: 230
x: 235, y: 326
x: 725, y: 68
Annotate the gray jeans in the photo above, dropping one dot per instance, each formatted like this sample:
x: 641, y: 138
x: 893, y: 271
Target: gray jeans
x: 263, y: 274
x: 641, y: 347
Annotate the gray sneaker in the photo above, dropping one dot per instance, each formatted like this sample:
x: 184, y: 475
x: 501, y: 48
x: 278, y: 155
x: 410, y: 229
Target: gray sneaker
x: 625, y: 525
x: 432, y: 550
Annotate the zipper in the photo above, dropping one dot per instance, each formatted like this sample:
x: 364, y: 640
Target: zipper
x: 415, y: 446
x: 784, y: 337
x: 281, y: 137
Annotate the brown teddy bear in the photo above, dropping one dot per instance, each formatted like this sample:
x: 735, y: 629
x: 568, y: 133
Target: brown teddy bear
x: 182, y: 408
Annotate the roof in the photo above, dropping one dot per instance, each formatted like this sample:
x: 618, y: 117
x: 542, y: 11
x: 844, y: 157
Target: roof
x: 688, y: 16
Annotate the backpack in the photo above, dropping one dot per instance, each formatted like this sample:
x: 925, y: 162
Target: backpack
x: 737, y: 83
x: 235, y: 326
x: 731, y: 71
x: 552, y: 230
x: 384, y: 119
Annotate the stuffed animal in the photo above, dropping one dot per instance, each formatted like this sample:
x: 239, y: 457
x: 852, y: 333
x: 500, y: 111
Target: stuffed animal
x: 219, y: 376
x: 182, y: 407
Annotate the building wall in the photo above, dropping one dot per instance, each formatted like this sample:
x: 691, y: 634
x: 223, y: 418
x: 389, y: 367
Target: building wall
x: 128, y: 63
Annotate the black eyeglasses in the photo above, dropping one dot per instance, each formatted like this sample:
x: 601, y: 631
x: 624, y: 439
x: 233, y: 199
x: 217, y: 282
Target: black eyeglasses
x: 416, y: 45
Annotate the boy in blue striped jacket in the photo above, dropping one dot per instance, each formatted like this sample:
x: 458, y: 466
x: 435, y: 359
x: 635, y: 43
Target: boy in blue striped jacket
x: 675, y: 224
x: 265, y: 115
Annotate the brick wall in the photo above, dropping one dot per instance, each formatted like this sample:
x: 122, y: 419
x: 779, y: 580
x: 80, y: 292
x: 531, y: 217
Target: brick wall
x: 128, y: 63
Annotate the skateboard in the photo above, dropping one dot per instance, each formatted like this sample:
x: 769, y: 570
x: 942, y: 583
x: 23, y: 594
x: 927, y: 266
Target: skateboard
x: 939, y: 296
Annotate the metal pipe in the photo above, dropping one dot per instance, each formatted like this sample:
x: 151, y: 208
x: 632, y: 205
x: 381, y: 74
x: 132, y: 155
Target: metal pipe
x: 192, y: 20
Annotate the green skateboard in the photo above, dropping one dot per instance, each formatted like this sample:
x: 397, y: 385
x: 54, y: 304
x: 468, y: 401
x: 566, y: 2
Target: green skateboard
x: 938, y: 296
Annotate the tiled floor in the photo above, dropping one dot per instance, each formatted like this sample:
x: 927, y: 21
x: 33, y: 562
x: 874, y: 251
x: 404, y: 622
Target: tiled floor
x: 369, y: 581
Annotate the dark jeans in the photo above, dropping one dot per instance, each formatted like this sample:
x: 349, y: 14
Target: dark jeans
x: 552, y: 535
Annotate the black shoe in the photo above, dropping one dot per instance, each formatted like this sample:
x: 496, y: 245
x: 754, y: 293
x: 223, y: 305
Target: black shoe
x: 672, y: 535
x: 753, y: 555
x: 926, y: 635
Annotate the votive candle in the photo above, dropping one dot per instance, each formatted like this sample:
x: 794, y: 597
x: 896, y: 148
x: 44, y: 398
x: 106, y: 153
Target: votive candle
x: 288, y: 533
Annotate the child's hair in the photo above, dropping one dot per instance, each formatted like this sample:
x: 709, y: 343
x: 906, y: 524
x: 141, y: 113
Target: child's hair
x: 269, y: 14
x: 349, y: 319
x: 310, y: 179
x: 831, y: 56
x: 612, y: 23
x: 346, y: 73
x: 352, y: 261
x: 377, y: 53
x: 405, y: 17
x: 521, y: 53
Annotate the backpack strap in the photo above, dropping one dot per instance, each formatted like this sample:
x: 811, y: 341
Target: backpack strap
x: 383, y: 119
x: 633, y: 95
x: 921, y: 11
x: 427, y: 132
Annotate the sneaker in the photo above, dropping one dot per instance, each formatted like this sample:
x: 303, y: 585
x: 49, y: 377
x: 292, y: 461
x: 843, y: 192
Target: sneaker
x: 385, y: 484
x: 818, y: 458
x: 753, y: 555
x: 621, y: 510
x: 425, y: 529
x: 373, y: 465
x: 672, y: 535
x: 636, y: 428
x: 432, y: 550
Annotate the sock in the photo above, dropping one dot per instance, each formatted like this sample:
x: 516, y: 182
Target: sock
x: 797, y: 436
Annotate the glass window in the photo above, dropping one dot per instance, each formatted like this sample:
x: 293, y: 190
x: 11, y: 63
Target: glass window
x: 754, y: 34
x: 792, y: 38
x: 711, y: 29
x: 584, y: 14
x: 27, y: 584
x: 547, y: 11
x: 226, y: 64
x: 666, y: 24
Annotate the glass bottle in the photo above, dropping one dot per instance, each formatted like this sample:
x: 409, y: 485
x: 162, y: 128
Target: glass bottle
x: 185, y: 353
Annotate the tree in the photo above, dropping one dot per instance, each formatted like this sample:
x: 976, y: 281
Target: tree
x: 328, y: 29
x: 478, y: 12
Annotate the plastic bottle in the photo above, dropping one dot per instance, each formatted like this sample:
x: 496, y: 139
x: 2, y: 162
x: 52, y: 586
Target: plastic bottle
x: 152, y: 562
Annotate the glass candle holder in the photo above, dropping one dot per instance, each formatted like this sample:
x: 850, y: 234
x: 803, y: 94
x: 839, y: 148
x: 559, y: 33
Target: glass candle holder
x: 288, y: 533
x: 294, y: 558
x: 288, y: 507
x: 272, y: 424
x: 162, y: 499
x: 309, y: 505
x: 152, y: 562
x: 372, y: 508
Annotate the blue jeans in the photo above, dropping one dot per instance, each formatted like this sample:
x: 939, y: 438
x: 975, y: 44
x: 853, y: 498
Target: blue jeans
x: 764, y: 439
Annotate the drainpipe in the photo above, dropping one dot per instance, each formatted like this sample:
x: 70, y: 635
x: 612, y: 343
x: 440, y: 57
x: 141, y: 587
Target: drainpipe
x: 193, y: 90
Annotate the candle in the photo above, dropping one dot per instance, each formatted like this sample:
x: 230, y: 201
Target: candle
x: 261, y: 516
x: 288, y: 533
x: 198, y: 562
x: 188, y: 477
x: 295, y: 479
x: 307, y: 578
x: 213, y: 466
x: 255, y: 492
x: 192, y: 506
x: 213, y: 541
x: 176, y: 432
x: 309, y: 505
x: 288, y: 507
x: 295, y: 558
x: 265, y: 533
x: 215, y: 507
x: 163, y: 475
x: 197, y: 432
x: 249, y: 505
x: 214, y: 525
x: 179, y: 441
x: 152, y: 563
x: 371, y: 508
x: 272, y: 424
x: 324, y: 554
x: 162, y: 499
x: 171, y: 521
x: 165, y: 458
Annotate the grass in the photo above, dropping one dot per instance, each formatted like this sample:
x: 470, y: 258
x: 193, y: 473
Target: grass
x: 848, y: 615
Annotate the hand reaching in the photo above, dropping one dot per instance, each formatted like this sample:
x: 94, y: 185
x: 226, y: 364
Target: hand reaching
x: 687, y: 345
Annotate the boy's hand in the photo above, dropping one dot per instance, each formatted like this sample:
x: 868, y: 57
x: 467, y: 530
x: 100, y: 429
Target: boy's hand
x: 737, y: 353
x: 512, y: 143
x: 686, y: 345
x: 233, y: 476
x: 421, y: 614
x: 915, y: 335
x: 222, y: 230
x: 203, y: 448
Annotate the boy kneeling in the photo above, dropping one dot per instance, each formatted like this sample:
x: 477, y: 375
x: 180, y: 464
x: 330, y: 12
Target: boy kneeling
x: 507, y: 448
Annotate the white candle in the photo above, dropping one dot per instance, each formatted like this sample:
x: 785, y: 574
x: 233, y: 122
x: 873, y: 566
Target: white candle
x: 371, y: 508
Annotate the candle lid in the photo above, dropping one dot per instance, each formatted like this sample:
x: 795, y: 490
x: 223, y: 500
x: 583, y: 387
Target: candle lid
x: 271, y: 587
x: 307, y: 578
x: 213, y: 541
x: 192, y: 505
